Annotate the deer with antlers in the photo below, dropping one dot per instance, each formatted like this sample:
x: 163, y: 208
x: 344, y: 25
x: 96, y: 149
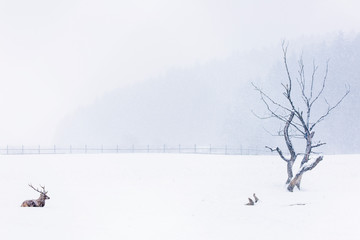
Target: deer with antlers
x: 40, y: 202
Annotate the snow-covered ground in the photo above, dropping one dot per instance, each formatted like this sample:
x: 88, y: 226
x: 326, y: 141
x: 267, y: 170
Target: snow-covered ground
x: 170, y: 196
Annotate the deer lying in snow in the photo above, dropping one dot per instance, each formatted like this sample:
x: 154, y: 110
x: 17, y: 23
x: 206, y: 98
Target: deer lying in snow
x: 40, y: 202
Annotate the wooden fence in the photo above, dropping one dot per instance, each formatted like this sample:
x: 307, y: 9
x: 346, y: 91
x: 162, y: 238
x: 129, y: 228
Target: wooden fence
x: 89, y: 149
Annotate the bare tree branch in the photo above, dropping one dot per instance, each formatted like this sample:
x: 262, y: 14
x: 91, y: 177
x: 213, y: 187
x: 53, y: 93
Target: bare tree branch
x: 264, y: 97
x: 323, y: 84
x: 330, y: 109
x: 317, y: 145
x: 279, y: 152
x: 315, y: 68
x: 269, y: 98
x: 284, y: 48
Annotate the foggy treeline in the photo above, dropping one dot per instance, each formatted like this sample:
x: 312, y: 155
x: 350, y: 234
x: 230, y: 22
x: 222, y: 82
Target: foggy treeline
x: 212, y: 103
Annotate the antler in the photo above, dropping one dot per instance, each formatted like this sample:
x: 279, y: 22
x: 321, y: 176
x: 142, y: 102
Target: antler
x: 43, y: 187
x: 44, y: 192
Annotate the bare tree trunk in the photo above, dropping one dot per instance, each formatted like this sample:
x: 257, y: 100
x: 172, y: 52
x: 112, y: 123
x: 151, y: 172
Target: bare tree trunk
x: 290, y: 147
x: 309, y: 137
x: 297, y: 179
x: 293, y: 155
x: 289, y: 171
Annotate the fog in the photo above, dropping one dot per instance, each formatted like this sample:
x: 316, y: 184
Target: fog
x: 214, y: 103
x: 162, y: 65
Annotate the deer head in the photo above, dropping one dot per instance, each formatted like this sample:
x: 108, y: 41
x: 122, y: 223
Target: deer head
x: 42, y: 193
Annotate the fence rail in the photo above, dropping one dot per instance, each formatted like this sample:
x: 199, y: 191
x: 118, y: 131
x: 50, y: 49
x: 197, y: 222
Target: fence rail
x: 89, y: 149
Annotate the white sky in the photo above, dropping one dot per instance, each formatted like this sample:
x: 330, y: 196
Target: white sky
x: 56, y: 56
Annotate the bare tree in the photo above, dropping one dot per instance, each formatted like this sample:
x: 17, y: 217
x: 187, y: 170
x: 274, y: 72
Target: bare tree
x: 297, y: 114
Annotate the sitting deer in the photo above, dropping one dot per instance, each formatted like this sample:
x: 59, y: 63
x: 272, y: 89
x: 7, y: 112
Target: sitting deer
x: 40, y: 202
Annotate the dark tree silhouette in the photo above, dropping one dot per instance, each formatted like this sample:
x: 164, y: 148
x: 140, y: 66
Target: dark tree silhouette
x: 299, y: 117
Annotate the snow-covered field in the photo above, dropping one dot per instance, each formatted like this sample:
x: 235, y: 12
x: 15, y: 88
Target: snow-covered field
x: 170, y: 196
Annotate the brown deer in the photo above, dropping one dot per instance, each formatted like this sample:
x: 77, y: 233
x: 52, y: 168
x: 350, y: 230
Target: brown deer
x: 40, y: 202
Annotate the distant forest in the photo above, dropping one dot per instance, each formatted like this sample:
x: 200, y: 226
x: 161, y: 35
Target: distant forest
x: 213, y: 103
